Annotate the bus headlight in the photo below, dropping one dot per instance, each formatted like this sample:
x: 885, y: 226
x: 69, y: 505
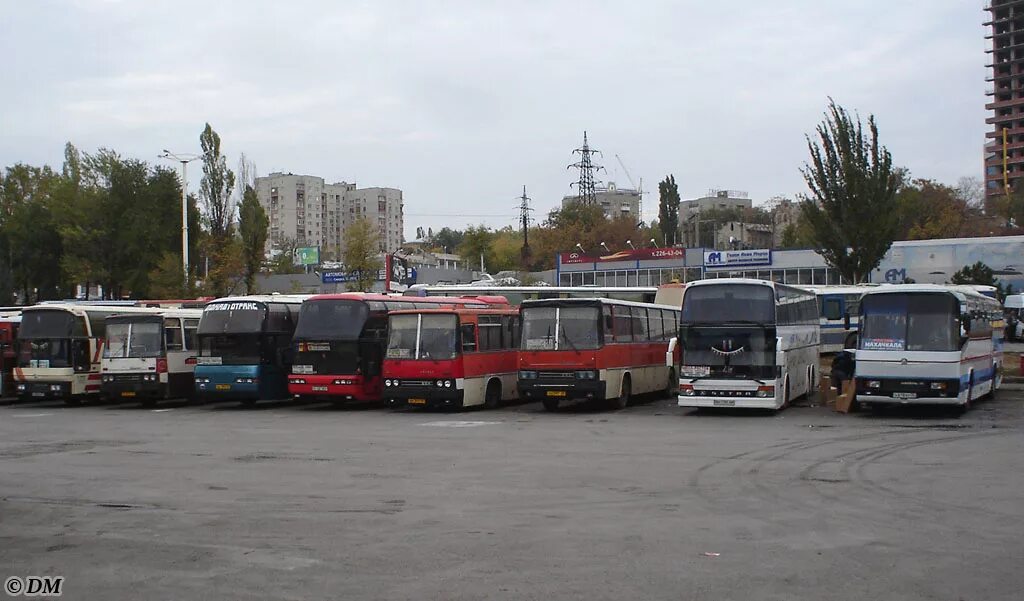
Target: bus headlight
x: 766, y: 392
x: 447, y: 383
x: 527, y: 375
x: 938, y: 385
x: 21, y: 387
x: 586, y: 374
x: 54, y: 387
x: 387, y: 383
x: 687, y: 390
x: 252, y: 381
x: 874, y: 384
x: 202, y: 380
x: 440, y: 383
x: 298, y: 381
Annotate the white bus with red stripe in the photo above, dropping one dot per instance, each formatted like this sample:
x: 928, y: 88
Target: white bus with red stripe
x: 150, y: 356
x: 928, y: 344
x: 59, y: 350
x: 451, y: 358
x: 596, y: 349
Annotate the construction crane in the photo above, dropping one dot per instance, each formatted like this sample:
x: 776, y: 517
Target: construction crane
x: 639, y: 189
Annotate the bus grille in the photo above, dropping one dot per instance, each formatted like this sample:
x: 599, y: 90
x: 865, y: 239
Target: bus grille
x: 556, y: 375
x: 417, y: 382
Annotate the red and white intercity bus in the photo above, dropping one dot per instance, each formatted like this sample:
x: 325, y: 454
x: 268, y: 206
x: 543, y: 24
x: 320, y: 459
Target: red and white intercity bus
x: 339, y: 342
x: 594, y: 349
x: 451, y: 358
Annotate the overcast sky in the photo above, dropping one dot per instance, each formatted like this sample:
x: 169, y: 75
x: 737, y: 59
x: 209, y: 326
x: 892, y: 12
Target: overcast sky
x: 460, y: 104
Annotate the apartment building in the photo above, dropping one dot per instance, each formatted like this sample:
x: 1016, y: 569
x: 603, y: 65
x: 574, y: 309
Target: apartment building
x: 306, y: 210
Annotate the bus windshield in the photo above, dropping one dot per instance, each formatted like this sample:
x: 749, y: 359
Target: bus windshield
x: 911, y: 322
x: 425, y: 336
x: 237, y: 349
x: 51, y: 324
x: 561, y: 328
x: 45, y: 352
x: 729, y: 303
x: 331, y: 320
x: 133, y: 339
x: 235, y: 317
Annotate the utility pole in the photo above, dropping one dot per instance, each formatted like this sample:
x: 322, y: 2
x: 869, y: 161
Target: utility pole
x: 184, y: 159
x: 524, y: 217
x: 586, y: 186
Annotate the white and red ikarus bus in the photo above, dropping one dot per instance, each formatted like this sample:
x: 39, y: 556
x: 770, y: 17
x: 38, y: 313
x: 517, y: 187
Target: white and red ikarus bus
x: 594, y: 349
x: 454, y: 357
x: 340, y: 338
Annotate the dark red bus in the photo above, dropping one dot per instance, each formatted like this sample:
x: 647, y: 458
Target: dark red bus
x: 340, y: 338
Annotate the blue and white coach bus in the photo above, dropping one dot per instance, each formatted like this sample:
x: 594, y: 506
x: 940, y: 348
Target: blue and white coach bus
x: 839, y: 315
x: 747, y: 343
x: 928, y: 344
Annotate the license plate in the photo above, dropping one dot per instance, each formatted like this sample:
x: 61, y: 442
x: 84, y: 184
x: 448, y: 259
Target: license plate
x: 319, y: 389
x: 38, y: 394
x: 556, y: 393
x: 223, y: 387
x: 724, y: 403
x: 128, y: 393
x: 904, y: 395
x: 417, y: 401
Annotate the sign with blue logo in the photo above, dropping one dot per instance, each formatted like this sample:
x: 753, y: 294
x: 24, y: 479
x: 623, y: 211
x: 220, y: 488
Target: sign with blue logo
x: 337, y: 277
x: 737, y: 258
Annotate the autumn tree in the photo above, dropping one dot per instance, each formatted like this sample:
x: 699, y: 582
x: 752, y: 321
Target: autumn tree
x: 929, y: 210
x: 361, y: 254
x: 851, y: 209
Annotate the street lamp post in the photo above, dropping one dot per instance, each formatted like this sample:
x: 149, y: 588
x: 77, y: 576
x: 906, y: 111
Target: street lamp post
x: 184, y: 159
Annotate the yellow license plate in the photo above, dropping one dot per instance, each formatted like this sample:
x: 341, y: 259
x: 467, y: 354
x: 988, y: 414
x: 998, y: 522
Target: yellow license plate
x: 556, y: 393
x: 223, y: 387
x: 128, y: 393
x: 417, y: 401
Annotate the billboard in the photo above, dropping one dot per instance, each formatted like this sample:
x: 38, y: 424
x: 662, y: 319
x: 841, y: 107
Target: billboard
x: 737, y: 258
x: 398, y: 275
x: 638, y: 254
x: 307, y: 255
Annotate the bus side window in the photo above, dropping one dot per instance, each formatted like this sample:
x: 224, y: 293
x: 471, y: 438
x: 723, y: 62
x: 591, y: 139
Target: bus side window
x: 832, y: 309
x: 640, y: 331
x: 514, y: 330
x: 191, y: 327
x: 490, y: 332
x: 608, y: 325
x: 622, y: 324
x: 172, y: 335
x: 468, y: 334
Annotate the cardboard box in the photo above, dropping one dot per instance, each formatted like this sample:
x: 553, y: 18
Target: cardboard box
x: 825, y: 391
x: 844, y: 403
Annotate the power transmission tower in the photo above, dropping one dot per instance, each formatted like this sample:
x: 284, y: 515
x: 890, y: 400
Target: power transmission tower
x: 586, y: 186
x: 524, y: 217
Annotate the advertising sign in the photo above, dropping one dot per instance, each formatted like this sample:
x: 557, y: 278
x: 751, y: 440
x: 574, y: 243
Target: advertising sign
x: 639, y: 254
x: 398, y: 276
x: 737, y: 258
x: 307, y: 255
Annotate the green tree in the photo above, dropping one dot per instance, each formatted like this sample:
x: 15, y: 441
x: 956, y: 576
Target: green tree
x: 929, y: 210
x: 476, y: 243
x: 668, y: 209
x: 447, y: 239
x: 982, y: 275
x: 851, y: 211
x: 361, y: 254
x: 252, y: 225
x: 218, y: 211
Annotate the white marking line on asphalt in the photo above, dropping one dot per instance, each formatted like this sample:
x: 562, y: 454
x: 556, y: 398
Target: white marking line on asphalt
x: 30, y: 414
x: 459, y: 424
x: 161, y: 410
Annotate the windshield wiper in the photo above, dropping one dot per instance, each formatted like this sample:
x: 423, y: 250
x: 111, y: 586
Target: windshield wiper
x: 568, y: 340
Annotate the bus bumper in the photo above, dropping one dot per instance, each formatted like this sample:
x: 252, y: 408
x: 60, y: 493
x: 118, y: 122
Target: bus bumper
x: 333, y: 388
x: 241, y: 383
x: 740, y: 394
x: 127, y: 386
x: 432, y: 397
x: 900, y: 391
x: 533, y: 390
x: 43, y: 390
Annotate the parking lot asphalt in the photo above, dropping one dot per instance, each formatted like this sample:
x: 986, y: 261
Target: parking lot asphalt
x: 287, y: 501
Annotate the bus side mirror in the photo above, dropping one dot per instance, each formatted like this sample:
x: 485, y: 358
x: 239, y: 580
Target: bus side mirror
x: 846, y: 320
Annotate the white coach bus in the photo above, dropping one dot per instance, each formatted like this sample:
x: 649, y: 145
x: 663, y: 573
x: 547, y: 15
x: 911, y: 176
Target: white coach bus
x: 747, y: 343
x: 928, y: 344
